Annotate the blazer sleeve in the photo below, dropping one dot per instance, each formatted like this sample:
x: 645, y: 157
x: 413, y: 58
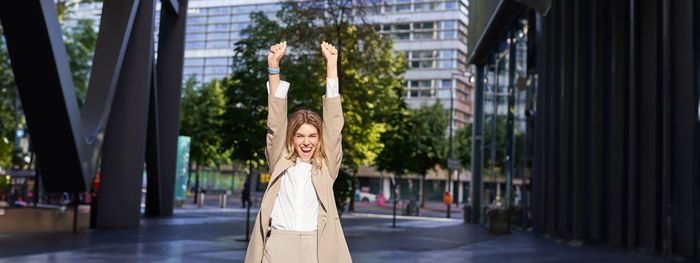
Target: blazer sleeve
x: 332, y: 127
x: 276, y: 129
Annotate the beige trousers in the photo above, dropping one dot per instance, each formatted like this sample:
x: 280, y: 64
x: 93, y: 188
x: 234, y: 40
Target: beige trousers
x: 291, y: 247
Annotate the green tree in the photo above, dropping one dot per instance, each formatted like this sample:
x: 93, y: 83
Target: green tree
x: 427, y: 137
x: 8, y: 112
x: 244, y: 128
x: 80, y: 46
x: 201, y: 118
x: 463, y: 145
x: 392, y: 158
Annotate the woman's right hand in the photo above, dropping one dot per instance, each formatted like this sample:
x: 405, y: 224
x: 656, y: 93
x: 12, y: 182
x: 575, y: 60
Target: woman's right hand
x: 276, y: 53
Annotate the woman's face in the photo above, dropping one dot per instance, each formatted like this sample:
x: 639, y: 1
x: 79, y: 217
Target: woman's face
x: 305, y: 142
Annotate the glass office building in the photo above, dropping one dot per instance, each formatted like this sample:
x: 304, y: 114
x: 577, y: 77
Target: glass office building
x: 600, y: 138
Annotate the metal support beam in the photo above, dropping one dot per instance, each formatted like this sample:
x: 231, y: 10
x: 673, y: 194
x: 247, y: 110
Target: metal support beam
x: 119, y: 202
x: 166, y: 109
x: 49, y: 101
x: 477, y: 145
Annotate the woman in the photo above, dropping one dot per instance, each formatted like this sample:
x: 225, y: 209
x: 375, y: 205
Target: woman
x: 298, y: 220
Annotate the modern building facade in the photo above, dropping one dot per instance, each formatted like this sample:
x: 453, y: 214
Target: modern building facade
x: 612, y: 118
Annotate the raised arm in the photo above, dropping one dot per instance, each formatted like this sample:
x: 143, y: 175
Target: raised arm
x: 277, y: 107
x: 332, y: 111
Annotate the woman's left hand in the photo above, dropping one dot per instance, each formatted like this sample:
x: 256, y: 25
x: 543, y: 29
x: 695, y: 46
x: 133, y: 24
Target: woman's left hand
x: 330, y: 54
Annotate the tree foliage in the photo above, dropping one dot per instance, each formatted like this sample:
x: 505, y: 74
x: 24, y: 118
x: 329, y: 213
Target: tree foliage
x: 80, y: 47
x: 201, y: 118
x: 8, y: 97
x: 463, y: 145
x: 428, y: 129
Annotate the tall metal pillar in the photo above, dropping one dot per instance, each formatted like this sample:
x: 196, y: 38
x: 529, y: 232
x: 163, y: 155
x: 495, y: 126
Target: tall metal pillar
x: 123, y: 155
x: 477, y: 144
x: 167, y: 86
x: 510, y: 156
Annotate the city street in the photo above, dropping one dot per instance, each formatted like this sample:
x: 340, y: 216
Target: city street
x: 210, y: 235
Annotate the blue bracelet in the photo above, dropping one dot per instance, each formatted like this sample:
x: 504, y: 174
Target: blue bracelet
x: 273, y: 71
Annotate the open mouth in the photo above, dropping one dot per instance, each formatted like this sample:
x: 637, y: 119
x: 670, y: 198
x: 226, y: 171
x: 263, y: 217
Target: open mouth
x: 306, y: 150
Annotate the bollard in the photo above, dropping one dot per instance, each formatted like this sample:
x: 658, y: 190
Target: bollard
x: 200, y: 201
x: 222, y: 200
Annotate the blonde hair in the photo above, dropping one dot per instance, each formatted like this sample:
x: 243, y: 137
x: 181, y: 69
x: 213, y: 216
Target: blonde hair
x: 298, y: 119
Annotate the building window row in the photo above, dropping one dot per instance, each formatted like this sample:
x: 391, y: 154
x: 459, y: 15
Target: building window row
x: 225, y: 10
x: 401, y: 6
x: 216, y: 27
x: 449, y: 58
x: 425, y: 30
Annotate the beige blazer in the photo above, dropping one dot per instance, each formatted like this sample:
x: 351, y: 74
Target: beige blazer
x: 332, y: 247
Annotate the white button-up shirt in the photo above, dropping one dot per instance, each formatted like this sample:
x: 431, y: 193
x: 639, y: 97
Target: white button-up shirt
x: 296, y: 205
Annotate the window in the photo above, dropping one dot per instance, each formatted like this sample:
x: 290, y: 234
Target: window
x: 397, y: 27
x: 423, y: 35
x: 447, y: 63
x: 402, y: 36
x: 424, y: 83
x: 215, y: 70
x: 217, y: 44
x: 423, y: 64
x: 195, y: 11
x: 425, y: 25
x: 448, y: 24
x: 217, y: 61
x: 448, y: 34
x: 420, y: 93
x: 423, y: 54
x: 403, y: 8
x: 425, y: 6
x: 195, y: 29
x: 240, y: 18
x: 219, y: 19
x: 218, y: 27
x: 194, y: 45
x: 220, y: 10
x: 243, y: 9
x: 217, y: 36
x: 194, y: 62
x: 447, y: 54
x: 194, y: 37
x: 269, y: 7
x: 191, y: 70
x: 446, y: 83
x: 450, y: 5
x: 196, y: 20
x: 444, y: 93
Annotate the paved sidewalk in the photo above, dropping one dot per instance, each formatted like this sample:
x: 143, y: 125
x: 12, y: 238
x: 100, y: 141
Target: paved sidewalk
x: 211, y: 234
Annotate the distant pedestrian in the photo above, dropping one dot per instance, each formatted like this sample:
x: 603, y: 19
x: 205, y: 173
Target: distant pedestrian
x: 298, y: 220
x: 245, y: 194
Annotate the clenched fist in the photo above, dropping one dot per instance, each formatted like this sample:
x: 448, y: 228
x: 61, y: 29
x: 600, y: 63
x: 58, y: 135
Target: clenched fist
x: 276, y: 53
x: 330, y: 54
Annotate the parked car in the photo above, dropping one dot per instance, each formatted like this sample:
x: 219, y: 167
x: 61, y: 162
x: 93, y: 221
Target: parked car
x: 365, y: 197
